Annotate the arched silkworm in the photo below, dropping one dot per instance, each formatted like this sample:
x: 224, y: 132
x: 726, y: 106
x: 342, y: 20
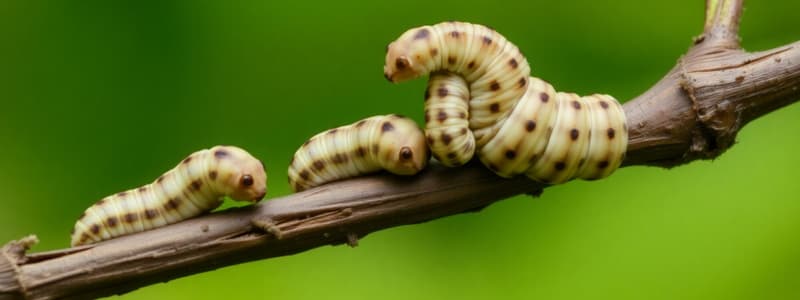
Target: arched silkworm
x: 495, y: 70
x: 393, y: 143
x: 195, y: 186
x: 521, y: 125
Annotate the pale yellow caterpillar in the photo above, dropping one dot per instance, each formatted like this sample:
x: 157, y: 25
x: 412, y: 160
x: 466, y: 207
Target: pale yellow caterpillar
x: 393, y: 143
x: 517, y: 124
x: 197, y: 185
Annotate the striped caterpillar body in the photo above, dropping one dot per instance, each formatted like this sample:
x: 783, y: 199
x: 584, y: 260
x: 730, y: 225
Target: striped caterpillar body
x: 481, y: 99
x: 393, y: 143
x: 197, y: 185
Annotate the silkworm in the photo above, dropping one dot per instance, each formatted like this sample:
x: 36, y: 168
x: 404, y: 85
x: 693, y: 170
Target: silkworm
x: 446, y: 119
x: 196, y: 185
x: 517, y: 124
x: 393, y: 143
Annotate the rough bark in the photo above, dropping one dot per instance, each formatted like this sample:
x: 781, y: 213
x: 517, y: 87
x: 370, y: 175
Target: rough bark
x: 694, y: 112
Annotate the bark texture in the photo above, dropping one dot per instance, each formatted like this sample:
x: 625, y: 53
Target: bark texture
x: 694, y: 112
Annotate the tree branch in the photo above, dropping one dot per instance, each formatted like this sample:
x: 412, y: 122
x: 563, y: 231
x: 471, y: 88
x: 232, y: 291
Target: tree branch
x: 694, y: 112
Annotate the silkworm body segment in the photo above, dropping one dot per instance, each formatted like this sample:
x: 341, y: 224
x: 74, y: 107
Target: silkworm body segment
x: 392, y: 142
x: 196, y: 185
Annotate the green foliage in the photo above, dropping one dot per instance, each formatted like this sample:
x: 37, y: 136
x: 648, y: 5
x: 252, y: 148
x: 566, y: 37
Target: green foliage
x: 100, y: 96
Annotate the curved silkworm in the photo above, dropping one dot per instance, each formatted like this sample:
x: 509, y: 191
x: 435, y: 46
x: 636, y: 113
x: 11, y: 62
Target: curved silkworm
x: 517, y: 124
x: 393, y: 143
x: 446, y: 119
x: 196, y: 185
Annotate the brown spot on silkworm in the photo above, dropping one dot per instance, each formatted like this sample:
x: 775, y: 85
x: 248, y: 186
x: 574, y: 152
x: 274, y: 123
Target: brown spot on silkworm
x: 434, y: 51
x: 421, y: 34
x: 95, y: 228
x: 471, y: 64
x: 172, y: 203
x: 160, y: 179
x: 142, y: 189
x: 130, y: 217
x: 455, y: 34
x: 495, y: 107
x: 221, y: 153
x: 122, y: 194
x: 339, y: 158
x: 511, y: 154
x: 463, y: 130
x: 522, y: 81
x: 494, y: 86
x: 196, y: 184
x: 446, y: 138
x: 573, y: 134
x: 387, y: 126
x: 150, y: 213
x: 611, y: 133
x: 462, y: 115
x: 544, y: 97
x: 305, y: 174
x: 530, y: 125
x: 487, y: 40
x: 187, y: 160
x: 560, y: 166
x: 576, y: 105
x: 361, y: 123
x: 451, y: 60
x: 602, y: 164
x: 442, y: 92
x: 112, y: 221
x: 513, y: 63
x: 441, y: 116
x: 332, y: 131
x: 213, y: 174
x: 603, y: 104
x: 319, y: 165
x: 361, y: 151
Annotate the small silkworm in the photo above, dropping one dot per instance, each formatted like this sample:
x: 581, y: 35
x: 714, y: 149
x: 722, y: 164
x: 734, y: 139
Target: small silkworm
x: 196, y: 185
x: 393, y: 143
x: 516, y: 124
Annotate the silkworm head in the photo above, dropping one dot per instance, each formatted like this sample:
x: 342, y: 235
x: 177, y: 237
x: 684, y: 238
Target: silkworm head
x: 403, y: 147
x: 239, y: 174
x: 408, y: 56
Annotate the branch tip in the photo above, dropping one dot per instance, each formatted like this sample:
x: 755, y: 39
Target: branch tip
x: 722, y: 22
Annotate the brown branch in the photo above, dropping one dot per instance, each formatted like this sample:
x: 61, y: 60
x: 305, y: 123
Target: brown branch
x: 694, y: 112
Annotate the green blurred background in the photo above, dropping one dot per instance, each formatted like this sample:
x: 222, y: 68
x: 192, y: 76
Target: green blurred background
x: 100, y: 96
